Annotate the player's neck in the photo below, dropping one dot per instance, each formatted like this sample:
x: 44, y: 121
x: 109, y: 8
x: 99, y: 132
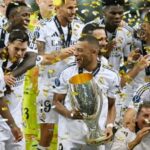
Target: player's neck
x: 62, y: 21
x: 92, y: 66
x: 110, y: 28
x: 46, y: 15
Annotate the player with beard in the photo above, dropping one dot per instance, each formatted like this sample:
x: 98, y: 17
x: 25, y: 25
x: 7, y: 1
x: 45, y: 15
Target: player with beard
x: 62, y: 30
x: 11, y: 56
x: 135, y: 135
x: 72, y: 130
x: 116, y: 33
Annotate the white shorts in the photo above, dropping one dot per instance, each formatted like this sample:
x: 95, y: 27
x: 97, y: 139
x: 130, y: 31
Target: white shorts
x: 45, y: 111
x: 68, y: 145
x: 7, y: 141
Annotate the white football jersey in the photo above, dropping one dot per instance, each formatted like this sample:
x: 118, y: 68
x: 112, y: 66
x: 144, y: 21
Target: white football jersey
x: 49, y: 34
x: 138, y: 81
x: 107, y: 81
x: 124, y: 39
x: 14, y: 98
x: 141, y: 94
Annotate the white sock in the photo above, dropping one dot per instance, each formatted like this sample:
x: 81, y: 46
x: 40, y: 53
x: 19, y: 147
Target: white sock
x: 39, y: 147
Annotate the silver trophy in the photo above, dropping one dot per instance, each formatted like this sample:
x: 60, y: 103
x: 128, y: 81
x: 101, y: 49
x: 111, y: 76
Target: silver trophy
x: 86, y: 98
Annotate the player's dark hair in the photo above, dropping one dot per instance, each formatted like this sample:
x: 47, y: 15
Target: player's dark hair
x: 90, y: 39
x: 12, y: 6
x: 145, y: 104
x: 18, y: 35
x: 89, y: 28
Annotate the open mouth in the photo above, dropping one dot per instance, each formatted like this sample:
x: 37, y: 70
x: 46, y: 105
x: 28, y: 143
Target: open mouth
x: 78, y: 60
x: 26, y: 22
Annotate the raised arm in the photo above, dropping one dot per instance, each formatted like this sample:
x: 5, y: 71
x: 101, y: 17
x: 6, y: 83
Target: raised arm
x: 137, y: 68
x: 57, y: 56
x: 28, y: 62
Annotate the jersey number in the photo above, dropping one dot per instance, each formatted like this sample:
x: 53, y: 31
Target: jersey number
x: 27, y: 112
x: 47, y: 106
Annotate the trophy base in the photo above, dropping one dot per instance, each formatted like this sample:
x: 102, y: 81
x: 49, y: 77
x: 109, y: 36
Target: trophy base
x: 98, y: 141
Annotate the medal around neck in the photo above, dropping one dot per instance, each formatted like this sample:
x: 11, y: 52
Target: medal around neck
x: 88, y: 100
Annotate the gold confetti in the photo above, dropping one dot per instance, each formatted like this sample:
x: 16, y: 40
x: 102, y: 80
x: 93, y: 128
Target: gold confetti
x: 101, y: 80
x: 95, y: 3
x: 4, y: 108
x: 147, y: 48
x: 85, y: 4
x: 57, y: 2
x: 95, y: 13
x: 85, y: 12
x: 51, y: 71
x: 33, y: 22
x: 74, y: 93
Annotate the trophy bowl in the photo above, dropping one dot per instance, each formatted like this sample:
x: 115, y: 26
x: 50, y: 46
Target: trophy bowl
x: 87, y: 98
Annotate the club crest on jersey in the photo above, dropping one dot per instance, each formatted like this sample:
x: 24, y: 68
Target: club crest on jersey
x: 136, y: 99
x: 57, y: 82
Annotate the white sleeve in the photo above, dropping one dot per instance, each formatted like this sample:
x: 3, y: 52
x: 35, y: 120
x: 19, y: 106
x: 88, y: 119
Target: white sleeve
x: 114, y: 86
x: 2, y: 83
x: 61, y: 84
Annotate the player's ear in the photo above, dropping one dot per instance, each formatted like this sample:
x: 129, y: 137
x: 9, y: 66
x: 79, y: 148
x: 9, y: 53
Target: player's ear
x: 95, y: 50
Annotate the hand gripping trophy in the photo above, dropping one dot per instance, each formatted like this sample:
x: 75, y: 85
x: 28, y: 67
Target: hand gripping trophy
x: 88, y: 101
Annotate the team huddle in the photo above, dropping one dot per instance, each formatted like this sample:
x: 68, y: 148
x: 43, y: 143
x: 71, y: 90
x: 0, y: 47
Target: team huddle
x: 38, y: 62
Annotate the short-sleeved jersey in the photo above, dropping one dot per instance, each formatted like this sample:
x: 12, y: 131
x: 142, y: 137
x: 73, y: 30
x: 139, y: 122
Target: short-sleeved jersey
x: 107, y: 81
x: 124, y: 38
x: 137, y: 82
x: 49, y: 34
x: 14, y: 98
